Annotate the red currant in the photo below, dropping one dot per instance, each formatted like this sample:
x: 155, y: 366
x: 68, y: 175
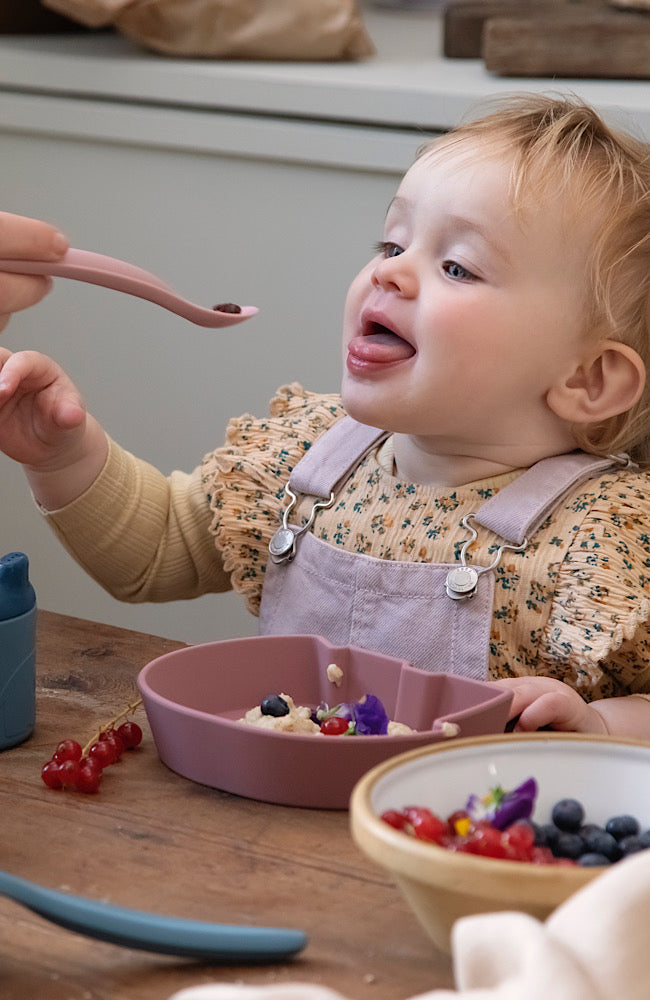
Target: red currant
x: 111, y: 737
x: 426, y: 825
x: 68, y: 750
x: 131, y: 734
x: 397, y: 820
x: 486, y: 841
x: 89, y: 776
x: 103, y: 752
x: 81, y: 768
x: 518, y: 840
x: 69, y: 772
x: 334, y: 726
x: 50, y: 774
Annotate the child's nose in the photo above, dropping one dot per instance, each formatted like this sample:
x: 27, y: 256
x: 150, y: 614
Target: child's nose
x: 396, y: 274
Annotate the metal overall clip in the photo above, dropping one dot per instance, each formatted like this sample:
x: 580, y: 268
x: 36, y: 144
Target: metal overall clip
x: 282, y: 546
x: 461, y: 581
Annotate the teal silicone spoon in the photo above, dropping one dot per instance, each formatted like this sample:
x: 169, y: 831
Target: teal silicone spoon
x: 151, y: 932
x: 96, y: 268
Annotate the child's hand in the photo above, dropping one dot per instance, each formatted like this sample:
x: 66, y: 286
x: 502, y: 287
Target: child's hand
x: 26, y: 239
x: 42, y: 417
x: 544, y: 701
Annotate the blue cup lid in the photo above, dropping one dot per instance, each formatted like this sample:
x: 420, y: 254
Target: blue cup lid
x: 16, y: 592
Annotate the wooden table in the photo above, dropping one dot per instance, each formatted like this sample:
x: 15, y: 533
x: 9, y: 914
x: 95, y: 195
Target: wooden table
x: 152, y: 840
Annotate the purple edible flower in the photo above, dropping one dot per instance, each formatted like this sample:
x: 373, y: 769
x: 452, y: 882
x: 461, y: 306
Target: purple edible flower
x: 515, y: 805
x: 370, y: 717
x: 502, y: 808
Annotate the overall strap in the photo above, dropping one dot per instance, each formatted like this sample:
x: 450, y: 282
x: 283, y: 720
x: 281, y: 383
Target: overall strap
x: 333, y: 456
x: 514, y: 513
x: 517, y: 510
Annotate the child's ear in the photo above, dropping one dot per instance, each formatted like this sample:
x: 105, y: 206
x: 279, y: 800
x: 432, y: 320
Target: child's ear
x: 604, y: 386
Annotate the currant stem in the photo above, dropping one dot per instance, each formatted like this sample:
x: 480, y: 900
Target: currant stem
x: 120, y: 717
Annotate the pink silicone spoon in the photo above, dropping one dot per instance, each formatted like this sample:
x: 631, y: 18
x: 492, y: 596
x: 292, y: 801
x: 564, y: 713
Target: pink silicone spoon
x: 110, y: 272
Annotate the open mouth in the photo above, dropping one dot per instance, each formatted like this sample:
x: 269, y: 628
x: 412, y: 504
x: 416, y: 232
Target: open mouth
x: 379, y: 344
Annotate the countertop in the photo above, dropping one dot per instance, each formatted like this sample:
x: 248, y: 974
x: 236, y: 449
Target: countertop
x: 407, y: 84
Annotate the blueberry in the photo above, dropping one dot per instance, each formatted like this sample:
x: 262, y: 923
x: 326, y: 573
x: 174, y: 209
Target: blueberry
x: 622, y: 826
x: 568, y: 845
x: 645, y: 839
x: 598, y: 841
x: 592, y: 860
x: 274, y: 705
x: 568, y: 814
x: 546, y: 834
x: 630, y: 844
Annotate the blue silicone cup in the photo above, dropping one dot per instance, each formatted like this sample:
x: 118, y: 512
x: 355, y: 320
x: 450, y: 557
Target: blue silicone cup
x: 17, y: 678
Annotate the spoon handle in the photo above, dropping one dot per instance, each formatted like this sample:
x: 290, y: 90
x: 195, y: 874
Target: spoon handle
x: 98, y: 269
x: 152, y: 932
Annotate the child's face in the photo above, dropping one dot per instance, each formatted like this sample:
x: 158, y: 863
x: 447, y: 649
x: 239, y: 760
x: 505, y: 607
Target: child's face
x: 457, y: 329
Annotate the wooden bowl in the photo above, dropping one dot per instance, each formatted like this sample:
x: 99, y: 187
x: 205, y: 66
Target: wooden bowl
x: 609, y: 776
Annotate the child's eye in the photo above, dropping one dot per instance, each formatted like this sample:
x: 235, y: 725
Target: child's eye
x: 388, y: 249
x: 457, y: 271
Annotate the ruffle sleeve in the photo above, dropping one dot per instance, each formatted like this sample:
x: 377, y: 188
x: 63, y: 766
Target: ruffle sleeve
x: 599, y: 629
x: 244, y: 480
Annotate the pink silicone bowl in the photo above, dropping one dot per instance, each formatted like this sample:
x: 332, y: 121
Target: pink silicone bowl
x: 195, y: 696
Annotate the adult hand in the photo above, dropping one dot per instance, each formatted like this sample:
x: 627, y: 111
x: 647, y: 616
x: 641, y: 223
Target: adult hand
x: 25, y: 239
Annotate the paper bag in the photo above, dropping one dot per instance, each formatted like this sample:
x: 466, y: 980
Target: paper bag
x: 231, y: 29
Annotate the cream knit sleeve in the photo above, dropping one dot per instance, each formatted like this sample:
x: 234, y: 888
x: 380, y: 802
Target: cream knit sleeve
x: 141, y: 535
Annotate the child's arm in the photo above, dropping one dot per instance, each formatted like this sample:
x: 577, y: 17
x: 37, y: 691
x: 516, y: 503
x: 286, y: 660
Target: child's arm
x: 26, y: 238
x: 45, y: 427
x: 141, y: 535
x: 545, y: 701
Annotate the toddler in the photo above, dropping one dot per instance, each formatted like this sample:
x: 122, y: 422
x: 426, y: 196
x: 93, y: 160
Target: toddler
x: 474, y: 500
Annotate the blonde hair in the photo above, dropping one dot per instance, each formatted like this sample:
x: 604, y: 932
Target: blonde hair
x: 561, y: 144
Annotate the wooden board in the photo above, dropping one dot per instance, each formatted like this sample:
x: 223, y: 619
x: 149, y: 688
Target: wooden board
x: 464, y: 20
x: 571, y: 38
x: 610, y: 44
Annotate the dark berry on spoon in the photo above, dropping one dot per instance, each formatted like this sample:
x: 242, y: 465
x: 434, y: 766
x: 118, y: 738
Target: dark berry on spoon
x: 227, y: 307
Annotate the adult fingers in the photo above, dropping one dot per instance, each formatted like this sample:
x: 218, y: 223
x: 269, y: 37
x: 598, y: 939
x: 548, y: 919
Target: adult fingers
x: 25, y: 238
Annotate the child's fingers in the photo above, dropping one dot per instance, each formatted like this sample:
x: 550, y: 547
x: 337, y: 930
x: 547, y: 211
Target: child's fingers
x: 15, y: 368
x: 28, y: 373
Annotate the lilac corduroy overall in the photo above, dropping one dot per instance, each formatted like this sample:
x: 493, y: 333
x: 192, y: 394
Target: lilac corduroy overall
x: 402, y: 609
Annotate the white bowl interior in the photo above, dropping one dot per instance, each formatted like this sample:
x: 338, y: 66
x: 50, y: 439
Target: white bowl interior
x: 609, y: 778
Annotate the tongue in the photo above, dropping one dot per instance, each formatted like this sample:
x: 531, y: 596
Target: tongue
x: 381, y: 347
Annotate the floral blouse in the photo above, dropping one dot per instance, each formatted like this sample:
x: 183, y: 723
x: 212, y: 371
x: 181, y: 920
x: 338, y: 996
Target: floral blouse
x: 574, y: 605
